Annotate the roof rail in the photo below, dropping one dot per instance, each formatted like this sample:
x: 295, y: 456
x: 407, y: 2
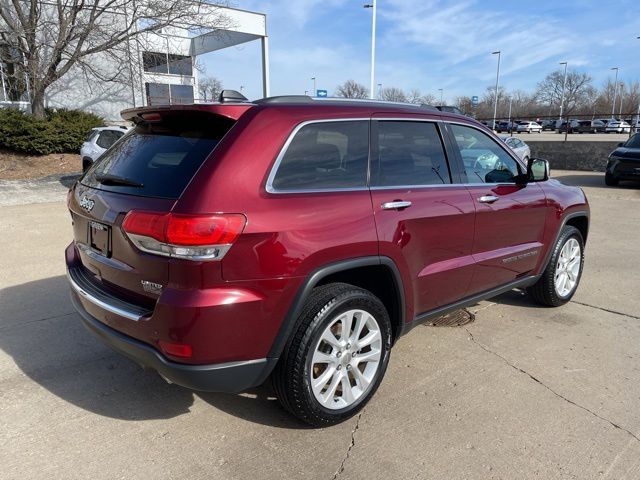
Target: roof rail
x: 284, y: 99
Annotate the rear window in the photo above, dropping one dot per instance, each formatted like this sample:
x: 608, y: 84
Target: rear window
x: 159, y: 159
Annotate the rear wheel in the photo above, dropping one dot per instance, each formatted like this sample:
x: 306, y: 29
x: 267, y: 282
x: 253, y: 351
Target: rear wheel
x: 560, y: 279
x: 610, y: 180
x: 337, y: 356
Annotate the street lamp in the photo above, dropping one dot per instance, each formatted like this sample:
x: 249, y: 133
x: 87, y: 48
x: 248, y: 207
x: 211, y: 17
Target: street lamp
x: 495, y: 103
x: 615, y: 92
x: 373, y: 46
x: 510, y: 102
x: 313, y: 93
x: 621, y: 97
x: 564, y: 83
x: 440, y: 90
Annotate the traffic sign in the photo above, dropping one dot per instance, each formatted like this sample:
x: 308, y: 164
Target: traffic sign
x: 321, y: 93
x: 475, y: 101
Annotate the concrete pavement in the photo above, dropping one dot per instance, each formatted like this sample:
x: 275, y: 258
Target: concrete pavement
x: 522, y: 392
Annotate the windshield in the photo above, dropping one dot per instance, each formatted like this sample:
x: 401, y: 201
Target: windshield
x: 159, y: 159
x: 633, y: 142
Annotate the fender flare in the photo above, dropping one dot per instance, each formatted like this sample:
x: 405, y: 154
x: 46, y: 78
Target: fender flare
x: 565, y: 220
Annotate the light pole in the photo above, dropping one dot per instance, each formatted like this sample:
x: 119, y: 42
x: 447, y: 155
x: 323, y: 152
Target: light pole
x: 379, y: 91
x: 621, y: 97
x: 615, y: 92
x: 564, y: 83
x: 441, y: 91
x: 510, y: 101
x: 495, y: 103
x: 373, y: 46
x: 314, y: 93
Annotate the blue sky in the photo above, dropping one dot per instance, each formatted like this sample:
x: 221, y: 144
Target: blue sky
x: 428, y: 45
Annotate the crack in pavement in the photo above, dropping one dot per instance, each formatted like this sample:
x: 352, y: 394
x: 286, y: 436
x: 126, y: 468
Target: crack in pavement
x: 351, y: 445
x: 488, y: 350
x: 607, y: 310
x: 37, y: 320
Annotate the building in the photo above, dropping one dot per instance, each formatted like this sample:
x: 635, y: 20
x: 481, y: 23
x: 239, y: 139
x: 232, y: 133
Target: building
x: 159, y: 68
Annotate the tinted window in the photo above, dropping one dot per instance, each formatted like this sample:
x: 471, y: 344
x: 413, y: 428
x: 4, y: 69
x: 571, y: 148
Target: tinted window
x: 154, y: 62
x: 180, y: 65
x: 325, y: 155
x: 485, y: 161
x: 108, y: 138
x: 181, y: 94
x: 157, y: 93
x: 160, y: 157
x: 409, y: 153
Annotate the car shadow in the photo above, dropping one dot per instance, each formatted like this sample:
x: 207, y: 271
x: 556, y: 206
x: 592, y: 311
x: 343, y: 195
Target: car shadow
x: 43, y: 335
x: 517, y: 298
x: 593, y: 181
x: 68, y: 180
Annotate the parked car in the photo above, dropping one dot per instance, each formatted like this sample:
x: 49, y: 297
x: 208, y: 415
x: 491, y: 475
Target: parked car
x: 505, y: 127
x: 624, y: 162
x: 518, y: 146
x: 548, y: 125
x: 572, y: 126
x: 213, y: 245
x: 590, y: 126
x: 529, y: 127
x: 98, y: 141
x: 617, y: 126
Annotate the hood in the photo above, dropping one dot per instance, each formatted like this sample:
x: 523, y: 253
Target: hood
x: 624, y: 152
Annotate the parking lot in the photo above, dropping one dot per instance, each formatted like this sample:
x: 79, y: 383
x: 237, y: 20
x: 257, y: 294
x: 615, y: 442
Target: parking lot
x: 521, y: 392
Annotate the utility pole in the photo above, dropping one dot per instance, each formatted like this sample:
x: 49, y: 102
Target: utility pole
x: 373, y: 47
x: 615, y: 92
x: 564, y: 83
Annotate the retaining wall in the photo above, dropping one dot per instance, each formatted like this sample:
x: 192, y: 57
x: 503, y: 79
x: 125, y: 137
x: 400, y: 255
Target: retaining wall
x: 588, y: 156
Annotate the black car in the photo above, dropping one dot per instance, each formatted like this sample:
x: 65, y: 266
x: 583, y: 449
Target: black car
x: 573, y: 124
x: 624, y: 162
x: 548, y: 125
x: 590, y: 126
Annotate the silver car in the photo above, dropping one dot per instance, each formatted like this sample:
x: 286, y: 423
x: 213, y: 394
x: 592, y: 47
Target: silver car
x: 617, y: 126
x: 518, y: 146
x: 529, y: 127
x: 98, y: 141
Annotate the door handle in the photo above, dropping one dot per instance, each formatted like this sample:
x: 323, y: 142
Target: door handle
x: 488, y: 199
x: 396, y: 204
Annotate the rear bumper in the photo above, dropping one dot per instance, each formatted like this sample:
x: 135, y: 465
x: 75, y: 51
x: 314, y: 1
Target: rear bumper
x: 232, y: 377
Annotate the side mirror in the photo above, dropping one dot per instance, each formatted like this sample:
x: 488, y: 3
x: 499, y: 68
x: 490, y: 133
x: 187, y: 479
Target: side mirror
x: 621, y: 144
x: 538, y: 170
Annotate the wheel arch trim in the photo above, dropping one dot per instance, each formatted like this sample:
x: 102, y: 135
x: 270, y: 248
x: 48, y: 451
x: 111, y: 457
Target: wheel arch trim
x: 565, y: 220
x: 315, y: 277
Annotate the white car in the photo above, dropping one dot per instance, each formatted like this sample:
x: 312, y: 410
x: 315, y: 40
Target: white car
x: 529, y: 127
x: 98, y: 141
x: 617, y: 126
x: 518, y: 146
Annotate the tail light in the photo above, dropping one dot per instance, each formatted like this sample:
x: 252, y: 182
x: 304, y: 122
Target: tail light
x: 192, y: 237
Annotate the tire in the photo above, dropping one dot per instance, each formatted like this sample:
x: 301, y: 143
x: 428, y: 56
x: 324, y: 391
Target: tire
x: 545, y: 291
x: 323, y: 315
x: 610, y: 180
x: 526, y: 160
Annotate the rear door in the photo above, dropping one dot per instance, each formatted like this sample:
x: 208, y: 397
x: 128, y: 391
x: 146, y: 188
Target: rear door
x: 147, y: 170
x: 424, y: 221
x: 510, y: 218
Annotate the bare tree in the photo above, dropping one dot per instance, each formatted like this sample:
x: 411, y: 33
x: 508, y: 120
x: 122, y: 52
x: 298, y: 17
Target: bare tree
x: 393, y: 94
x: 578, y: 90
x: 52, y: 38
x: 352, y: 89
x: 417, y: 97
x: 209, y: 88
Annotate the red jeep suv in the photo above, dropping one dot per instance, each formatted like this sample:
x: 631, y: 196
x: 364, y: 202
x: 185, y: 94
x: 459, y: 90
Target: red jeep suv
x: 297, y: 239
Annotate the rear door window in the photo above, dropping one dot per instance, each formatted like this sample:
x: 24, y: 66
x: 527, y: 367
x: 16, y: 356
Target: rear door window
x: 159, y: 159
x: 325, y: 155
x: 409, y: 154
x: 108, y: 138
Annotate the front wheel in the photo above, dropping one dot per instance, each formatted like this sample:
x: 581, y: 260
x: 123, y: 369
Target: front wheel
x: 560, y: 279
x: 337, y: 356
x: 610, y: 180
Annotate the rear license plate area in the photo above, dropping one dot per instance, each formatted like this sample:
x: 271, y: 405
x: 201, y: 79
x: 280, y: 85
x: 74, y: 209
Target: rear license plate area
x: 99, y: 238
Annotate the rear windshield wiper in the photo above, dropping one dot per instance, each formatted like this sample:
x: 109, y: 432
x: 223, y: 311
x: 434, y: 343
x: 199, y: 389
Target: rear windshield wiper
x: 107, y: 179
